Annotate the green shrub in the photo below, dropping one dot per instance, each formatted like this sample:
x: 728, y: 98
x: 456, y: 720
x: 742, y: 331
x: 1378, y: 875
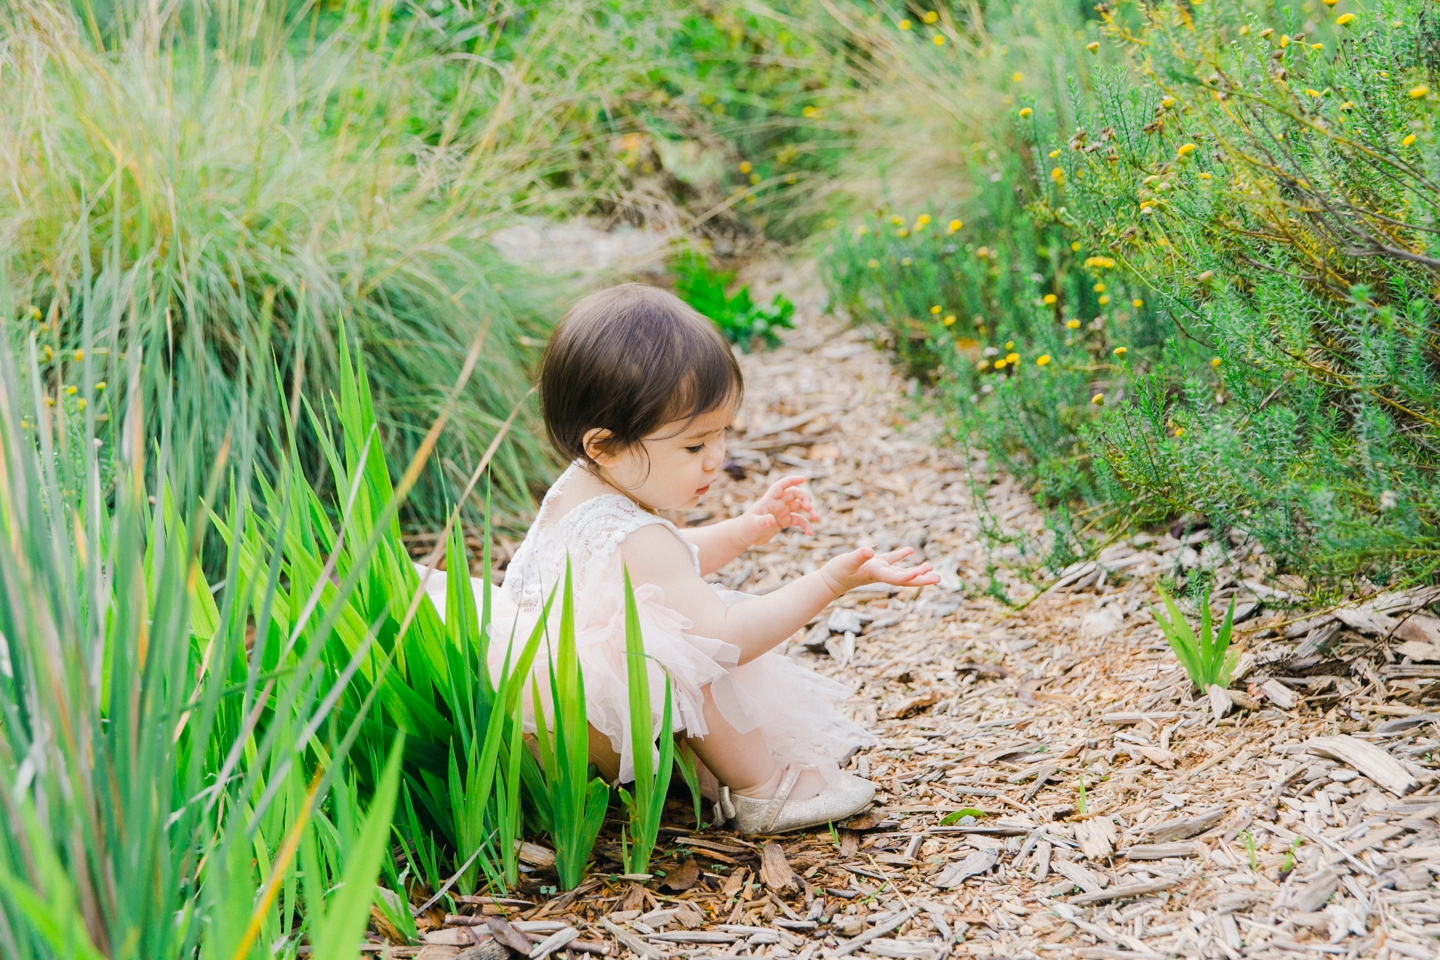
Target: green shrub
x: 739, y: 319
x: 1264, y: 200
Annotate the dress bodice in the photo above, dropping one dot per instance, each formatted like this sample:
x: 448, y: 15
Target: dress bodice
x: 589, y: 535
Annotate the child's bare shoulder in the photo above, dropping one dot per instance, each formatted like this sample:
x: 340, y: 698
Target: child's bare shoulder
x: 657, y: 549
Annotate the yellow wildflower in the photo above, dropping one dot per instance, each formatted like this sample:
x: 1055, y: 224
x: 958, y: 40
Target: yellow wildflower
x: 1017, y: 77
x: 898, y: 221
x: 983, y: 365
x: 1120, y: 351
x: 1104, y: 300
x: 921, y: 221
x: 754, y: 178
x: 1054, y: 154
x: 1417, y: 93
x: 1075, y: 246
x: 100, y: 386
x: 1093, y: 47
x: 905, y: 262
x: 1099, y: 288
x: 1185, y: 149
x: 745, y: 166
x: 953, y: 225
x: 1000, y: 364
x: 1049, y: 298
x: 1284, y: 41
x: 1317, y: 46
x: 1098, y: 399
x: 1094, y: 262
x: 71, y: 391
x: 872, y: 263
x: 34, y: 312
x: 902, y: 233
x: 935, y: 310
x: 950, y: 320
x: 1313, y: 93
x: 1042, y: 360
x: 1026, y: 111
x: 1057, y: 175
x: 1072, y: 324
x: 810, y: 113
x: 1179, y: 431
x: 904, y: 24
x: 1330, y: 3
x: 1215, y: 362
x: 1168, y: 102
x: 1009, y: 344
x: 938, y: 39
x: 1012, y: 358
x: 1344, y: 19
x: 78, y: 356
x: 929, y: 16
x: 1409, y: 139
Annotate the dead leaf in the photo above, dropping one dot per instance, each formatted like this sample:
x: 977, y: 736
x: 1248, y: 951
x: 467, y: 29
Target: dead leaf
x: 682, y: 877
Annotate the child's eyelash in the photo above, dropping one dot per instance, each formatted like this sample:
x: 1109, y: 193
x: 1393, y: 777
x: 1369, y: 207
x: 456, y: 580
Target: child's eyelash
x: 697, y: 448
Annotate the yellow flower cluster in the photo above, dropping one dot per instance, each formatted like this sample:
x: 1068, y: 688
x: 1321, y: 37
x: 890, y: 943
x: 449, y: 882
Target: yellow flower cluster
x: 1094, y: 263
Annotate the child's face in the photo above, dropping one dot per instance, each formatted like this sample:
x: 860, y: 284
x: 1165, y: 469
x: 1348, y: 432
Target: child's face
x: 673, y: 467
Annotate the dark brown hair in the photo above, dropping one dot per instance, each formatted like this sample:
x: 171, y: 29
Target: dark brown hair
x: 629, y: 360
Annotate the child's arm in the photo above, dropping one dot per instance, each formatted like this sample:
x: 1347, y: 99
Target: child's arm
x: 757, y: 624
x: 785, y: 504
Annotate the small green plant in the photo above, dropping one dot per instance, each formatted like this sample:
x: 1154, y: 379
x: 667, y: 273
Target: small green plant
x: 1207, y: 659
x: 1081, y: 807
x: 576, y: 801
x: 1248, y: 839
x: 652, y: 774
x: 834, y: 834
x: 955, y: 816
x: 740, y: 320
x: 1288, y: 863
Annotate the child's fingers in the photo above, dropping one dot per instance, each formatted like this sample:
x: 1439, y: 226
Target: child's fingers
x: 899, y: 554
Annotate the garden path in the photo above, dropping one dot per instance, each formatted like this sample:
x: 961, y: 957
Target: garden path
x: 1114, y: 814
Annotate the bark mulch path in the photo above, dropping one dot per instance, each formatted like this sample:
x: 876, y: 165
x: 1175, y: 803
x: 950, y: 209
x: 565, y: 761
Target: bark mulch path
x: 1050, y: 785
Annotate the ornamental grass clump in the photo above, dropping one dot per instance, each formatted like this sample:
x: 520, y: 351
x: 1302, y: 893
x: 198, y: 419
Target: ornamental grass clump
x: 178, y: 781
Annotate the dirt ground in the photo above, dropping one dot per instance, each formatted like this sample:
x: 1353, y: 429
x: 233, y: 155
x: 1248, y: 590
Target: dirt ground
x: 1050, y: 784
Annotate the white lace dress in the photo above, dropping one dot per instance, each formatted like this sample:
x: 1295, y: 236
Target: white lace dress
x: 796, y: 708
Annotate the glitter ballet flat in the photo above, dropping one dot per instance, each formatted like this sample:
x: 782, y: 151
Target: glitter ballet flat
x: 843, y: 796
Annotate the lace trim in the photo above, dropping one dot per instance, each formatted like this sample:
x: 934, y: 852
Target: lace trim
x: 588, y: 535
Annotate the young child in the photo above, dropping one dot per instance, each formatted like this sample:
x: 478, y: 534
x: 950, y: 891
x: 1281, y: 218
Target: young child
x: 637, y: 390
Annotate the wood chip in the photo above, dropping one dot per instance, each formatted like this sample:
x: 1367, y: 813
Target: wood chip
x: 1186, y: 827
x: 1279, y: 694
x: 1161, y: 851
x: 976, y: 863
x: 1367, y: 758
x: 1122, y: 893
x: 775, y: 871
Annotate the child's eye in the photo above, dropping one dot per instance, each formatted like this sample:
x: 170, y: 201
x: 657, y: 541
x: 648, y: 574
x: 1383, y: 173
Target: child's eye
x: 697, y: 448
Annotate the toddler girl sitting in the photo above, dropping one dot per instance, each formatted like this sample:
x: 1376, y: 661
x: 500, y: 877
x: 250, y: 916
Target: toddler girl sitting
x: 637, y: 390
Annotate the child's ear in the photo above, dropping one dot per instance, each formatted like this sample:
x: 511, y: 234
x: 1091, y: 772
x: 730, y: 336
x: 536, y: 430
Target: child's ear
x: 597, y: 446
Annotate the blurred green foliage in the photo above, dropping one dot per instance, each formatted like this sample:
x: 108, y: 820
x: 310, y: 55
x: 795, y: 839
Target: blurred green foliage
x: 1231, y: 206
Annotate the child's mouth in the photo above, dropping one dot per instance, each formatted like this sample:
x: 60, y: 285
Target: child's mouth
x: 703, y: 490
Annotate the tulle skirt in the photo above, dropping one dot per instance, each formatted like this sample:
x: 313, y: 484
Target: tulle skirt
x: 796, y: 709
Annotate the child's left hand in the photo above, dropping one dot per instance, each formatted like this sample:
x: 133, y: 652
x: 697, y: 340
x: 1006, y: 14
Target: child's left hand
x: 786, y: 504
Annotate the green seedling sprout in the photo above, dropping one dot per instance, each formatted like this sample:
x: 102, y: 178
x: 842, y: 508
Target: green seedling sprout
x: 1208, y: 659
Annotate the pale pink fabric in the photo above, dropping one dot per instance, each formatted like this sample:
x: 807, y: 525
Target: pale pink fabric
x: 797, y: 709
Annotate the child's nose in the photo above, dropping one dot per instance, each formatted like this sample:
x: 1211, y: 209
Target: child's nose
x: 716, y: 456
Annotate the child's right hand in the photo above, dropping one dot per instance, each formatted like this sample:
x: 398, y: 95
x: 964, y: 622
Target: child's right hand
x: 859, y: 567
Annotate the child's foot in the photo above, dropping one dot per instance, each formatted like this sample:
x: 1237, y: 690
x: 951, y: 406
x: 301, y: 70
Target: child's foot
x: 844, y: 796
x: 807, y: 785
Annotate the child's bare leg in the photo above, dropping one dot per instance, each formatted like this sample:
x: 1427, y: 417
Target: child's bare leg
x: 742, y: 761
x: 606, y: 760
